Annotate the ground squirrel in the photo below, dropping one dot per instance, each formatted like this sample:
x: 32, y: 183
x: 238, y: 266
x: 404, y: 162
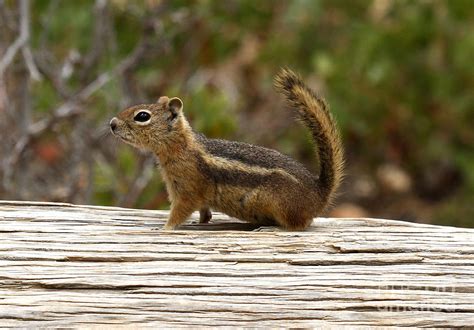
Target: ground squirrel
x: 248, y: 182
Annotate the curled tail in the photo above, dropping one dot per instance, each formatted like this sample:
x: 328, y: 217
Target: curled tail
x: 314, y: 112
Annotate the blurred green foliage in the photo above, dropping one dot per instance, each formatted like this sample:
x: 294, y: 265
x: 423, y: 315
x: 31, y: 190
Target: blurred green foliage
x: 399, y: 76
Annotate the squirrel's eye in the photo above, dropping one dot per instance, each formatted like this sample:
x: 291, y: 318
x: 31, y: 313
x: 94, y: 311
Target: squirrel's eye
x: 142, y: 116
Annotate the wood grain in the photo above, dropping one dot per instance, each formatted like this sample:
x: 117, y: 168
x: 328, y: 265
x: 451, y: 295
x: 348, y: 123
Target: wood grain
x: 64, y: 265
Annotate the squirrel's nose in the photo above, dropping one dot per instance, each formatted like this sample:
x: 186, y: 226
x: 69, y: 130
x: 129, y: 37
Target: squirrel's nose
x: 113, y: 124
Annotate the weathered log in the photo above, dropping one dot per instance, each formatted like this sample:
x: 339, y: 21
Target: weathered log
x: 66, y: 265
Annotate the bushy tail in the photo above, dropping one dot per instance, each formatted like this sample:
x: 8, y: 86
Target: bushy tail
x: 314, y: 112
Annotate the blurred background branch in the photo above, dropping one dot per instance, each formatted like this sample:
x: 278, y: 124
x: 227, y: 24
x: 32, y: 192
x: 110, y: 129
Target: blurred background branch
x: 398, y: 76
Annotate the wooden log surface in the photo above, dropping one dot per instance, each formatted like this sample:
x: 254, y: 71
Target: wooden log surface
x: 63, y: 265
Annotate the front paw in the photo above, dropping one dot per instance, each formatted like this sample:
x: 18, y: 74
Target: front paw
x: 168, y: 227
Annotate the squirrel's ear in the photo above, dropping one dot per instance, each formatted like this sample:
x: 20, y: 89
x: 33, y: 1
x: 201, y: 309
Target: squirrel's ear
x: 175, y: 106
x: 163, y: 100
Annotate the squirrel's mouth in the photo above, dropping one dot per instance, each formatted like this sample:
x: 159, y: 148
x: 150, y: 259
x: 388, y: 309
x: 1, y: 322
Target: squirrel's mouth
x: 126, y: 139
x: 123, y: 138
x: 116, y: 134
x: 120, y: 136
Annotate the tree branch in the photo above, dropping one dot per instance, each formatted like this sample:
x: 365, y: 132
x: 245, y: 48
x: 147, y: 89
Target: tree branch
x: 68, y: 109
x: 9, y: 55
x: 143, y: 175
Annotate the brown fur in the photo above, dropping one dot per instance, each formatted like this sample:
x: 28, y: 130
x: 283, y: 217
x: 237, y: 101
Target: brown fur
x: 248, y: 182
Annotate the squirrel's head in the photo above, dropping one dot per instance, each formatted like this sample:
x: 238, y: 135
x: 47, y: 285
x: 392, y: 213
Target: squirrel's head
x: 150, y: 126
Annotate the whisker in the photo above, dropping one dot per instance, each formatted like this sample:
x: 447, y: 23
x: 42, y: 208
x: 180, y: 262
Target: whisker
x: 102, y: 132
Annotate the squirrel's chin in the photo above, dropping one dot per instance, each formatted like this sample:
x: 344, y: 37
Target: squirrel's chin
x: 126, y: 140
x: 133, y: 144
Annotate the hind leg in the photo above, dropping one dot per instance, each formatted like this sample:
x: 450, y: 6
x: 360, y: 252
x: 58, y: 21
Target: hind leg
x: 282, y: 212
x: 285, y: 221
x: 270, y: 209
x: 294, y: 219
x: 296, y: 224
x: 254, y: 207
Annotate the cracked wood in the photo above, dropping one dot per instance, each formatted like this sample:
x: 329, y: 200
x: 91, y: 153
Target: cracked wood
x: 66, y: 265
